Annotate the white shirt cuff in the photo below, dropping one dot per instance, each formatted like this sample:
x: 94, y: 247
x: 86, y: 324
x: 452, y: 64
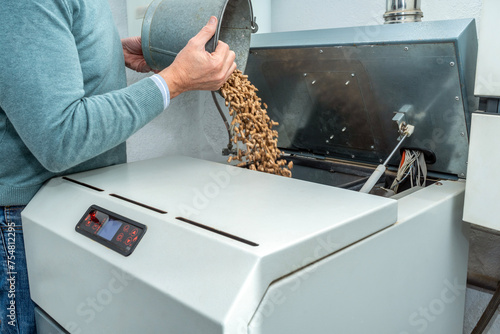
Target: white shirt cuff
x: 162, y: 85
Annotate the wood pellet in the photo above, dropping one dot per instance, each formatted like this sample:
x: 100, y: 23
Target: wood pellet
x: 252, y: 127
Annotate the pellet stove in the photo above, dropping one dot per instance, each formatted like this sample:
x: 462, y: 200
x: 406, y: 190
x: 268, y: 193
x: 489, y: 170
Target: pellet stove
x: 180, y: 245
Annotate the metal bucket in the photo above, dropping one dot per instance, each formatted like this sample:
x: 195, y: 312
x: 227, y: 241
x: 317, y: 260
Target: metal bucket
x: 169, y: 24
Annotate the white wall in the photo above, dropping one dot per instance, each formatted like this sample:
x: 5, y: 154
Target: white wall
x: 289, y: 15
x: 262, y: 9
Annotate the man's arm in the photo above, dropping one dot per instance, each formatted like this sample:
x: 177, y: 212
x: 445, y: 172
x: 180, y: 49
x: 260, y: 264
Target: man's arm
x: 196, y: 69
x: 43, y: 94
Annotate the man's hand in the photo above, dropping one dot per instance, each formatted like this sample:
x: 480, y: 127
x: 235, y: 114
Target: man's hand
x: 196, y: 69
x: 132, y: 51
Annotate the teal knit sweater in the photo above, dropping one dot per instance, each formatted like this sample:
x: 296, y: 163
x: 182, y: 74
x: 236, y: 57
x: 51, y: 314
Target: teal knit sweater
x: 64, y: 104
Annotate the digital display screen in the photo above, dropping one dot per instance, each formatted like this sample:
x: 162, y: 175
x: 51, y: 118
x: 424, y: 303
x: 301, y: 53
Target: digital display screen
x: 109, y: 229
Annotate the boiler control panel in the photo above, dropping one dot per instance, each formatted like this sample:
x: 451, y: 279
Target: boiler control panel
x: 111, y: 230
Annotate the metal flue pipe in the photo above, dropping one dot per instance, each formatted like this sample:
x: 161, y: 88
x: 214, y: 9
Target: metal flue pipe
x: 402, y: 11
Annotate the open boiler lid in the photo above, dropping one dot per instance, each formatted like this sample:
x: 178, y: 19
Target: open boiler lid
x: 335, y: 91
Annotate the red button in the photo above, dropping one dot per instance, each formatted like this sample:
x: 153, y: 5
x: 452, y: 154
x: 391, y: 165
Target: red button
x: 129, y: 241
x: 119, y: 237
x: 134, y: 231
x: 93, y: 217
x: 135, y: 239
x: 126, y: 228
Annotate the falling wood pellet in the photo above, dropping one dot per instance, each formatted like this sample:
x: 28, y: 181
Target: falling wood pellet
x: 253, y: 127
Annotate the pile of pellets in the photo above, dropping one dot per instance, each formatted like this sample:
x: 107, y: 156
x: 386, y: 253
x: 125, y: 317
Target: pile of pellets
x: 253, y: 128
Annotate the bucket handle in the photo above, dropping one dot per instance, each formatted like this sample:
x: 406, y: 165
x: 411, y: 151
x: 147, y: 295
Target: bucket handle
x: 253, y: 24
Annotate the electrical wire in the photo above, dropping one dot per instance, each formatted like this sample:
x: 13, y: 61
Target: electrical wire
x: 412, y: 167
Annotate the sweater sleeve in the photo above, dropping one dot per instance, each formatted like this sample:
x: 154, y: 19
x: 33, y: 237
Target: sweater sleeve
x: 45, y: 96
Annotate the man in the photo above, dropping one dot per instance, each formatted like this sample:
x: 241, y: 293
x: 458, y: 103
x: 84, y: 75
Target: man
x: 65, y: 108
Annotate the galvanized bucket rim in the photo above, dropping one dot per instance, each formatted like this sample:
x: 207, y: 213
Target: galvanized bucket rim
x: 211, y: 44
